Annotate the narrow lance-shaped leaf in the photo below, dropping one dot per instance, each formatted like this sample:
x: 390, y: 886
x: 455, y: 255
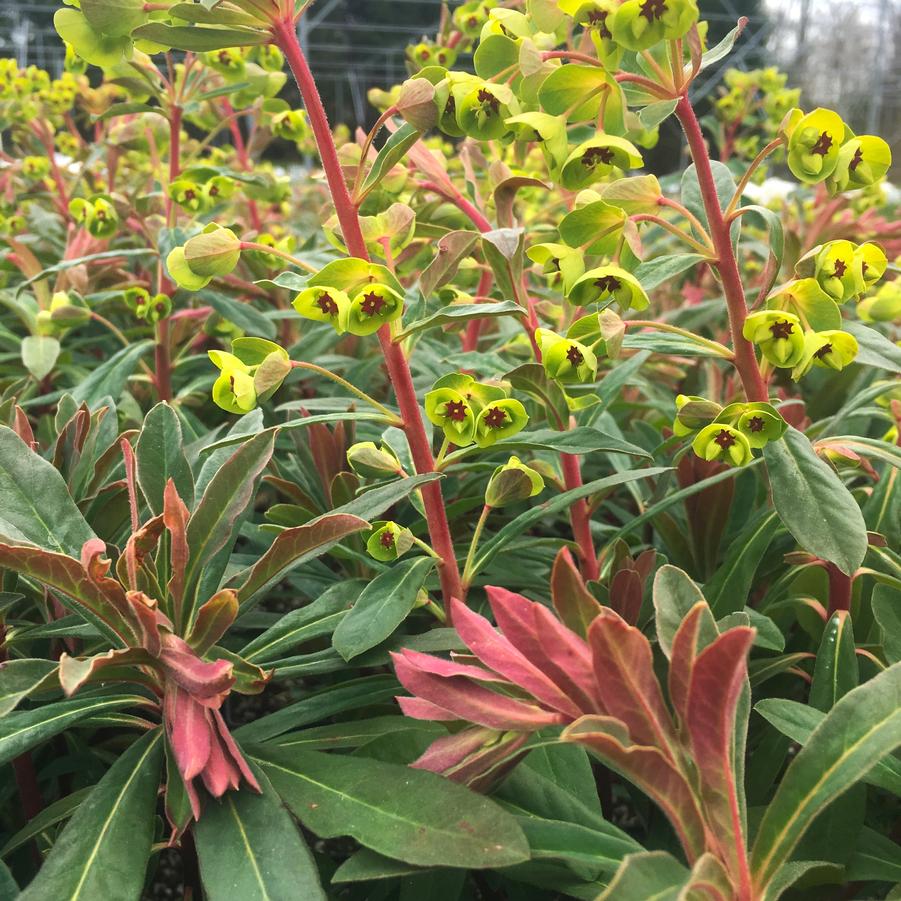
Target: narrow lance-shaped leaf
x: 835, y: 672
x: 160, y: 457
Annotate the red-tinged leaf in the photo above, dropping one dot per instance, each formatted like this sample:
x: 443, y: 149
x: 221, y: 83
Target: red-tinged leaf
x: 233, y: 751
x: 22, y: 427
x: 626, y: 590
x: 213, y: 620
x: 473, y: 702
x: 118, y: 665
x: 717, y: 678
x: 683, y: 652
x: 496, y: 652
x: 420, y: 709
x: 104, y: 605
x: 650, y: 770
x: 185, y: 668
x: 326, y: 455
x: 709, y: 881
x: 175, y: 518
x: 575, y: 604
x: 533, y: 630
x: 188, y: 728
x: 131, y: 481
x: 250, y: 679
x: 294, y: 546
x: 624, y: 669
x: 147, y: 621
x: 140, y: 543
x: 438, y: 666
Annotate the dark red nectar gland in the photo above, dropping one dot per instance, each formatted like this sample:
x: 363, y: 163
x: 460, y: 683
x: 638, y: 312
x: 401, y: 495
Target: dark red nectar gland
x: 823, y: 351
x: 840, y: 268
x: 490, y: 104
x: 755, y: 424
x: 608, y: 283
x: 455, y: 410
x: 653, y: 9
x: 495, y: 418
x: 387, y: 539
x: 781, y: 329
x: 823, y: 144
x: 856, y: 160
x: 190, y: 195
x: 327, y: 304
x: 724, y: 439
x: 598, y: 19
x: 596, y: 155
x: 214, y: 191
x: 372, y: 304
x: 575, y: 356
x: 101, y: 215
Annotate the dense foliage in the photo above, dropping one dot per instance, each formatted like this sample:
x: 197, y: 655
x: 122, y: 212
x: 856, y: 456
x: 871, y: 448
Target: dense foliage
x: 469, y: 515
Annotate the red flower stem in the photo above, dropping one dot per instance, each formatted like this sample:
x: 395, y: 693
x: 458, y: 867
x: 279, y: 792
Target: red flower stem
x: 580, y: 518
x: 745, y: 358
x: 243, y: 159
x: 840, y: 586
x: 395, y: 360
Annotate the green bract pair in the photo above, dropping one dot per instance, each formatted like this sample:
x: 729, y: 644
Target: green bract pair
x: 250, y: 374
x: 606, y: 285
x: 214, y: 252
x: 473, y: 412
x: 821, y: 147
x: 727, y: 434
x: 565, y: 360
x: 195, y: 197
x: 97, y: 215
x: 844, y: 270
x: 147, y: 306
x: 511, y: 482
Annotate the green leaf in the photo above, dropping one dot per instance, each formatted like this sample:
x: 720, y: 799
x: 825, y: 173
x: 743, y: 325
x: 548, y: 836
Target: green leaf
x: 39, y: 354
x: 226, y: 497
x: 654, y: 273
x: 794, y: 870
x: 724, y: 47
x: 404, y: 813
x: 674, y: 595
x: 376, y: 501
x: 814, y: 504
x: 110, y: 377
x: 19, y: 678
x: 558, y: 840
x: 22, y: 730
x: 103, y: 850
x: 647, y: 876
x: 382, y: 607
x: 874, y: 349
x: 495, y: 54
x: 463, y: 312
x: 452, y: 248
x: 775, y: 242
x: 200, y: 40
x: 797, y: 722
x: 548, y: 509
x: 194, y: 12
x: 250, y: 849
x: 887, y: 613
x: 391, y: 153
x: 49, y: 816
x: 63, y: 265
x: 36, y: 505
x: 243, y: 315
x: 653, y: 114
x: 835, y: 672
x: 877, y: 859
x: 580, y: 440
x: 862, y: 728
x: 160, y: 456
x: 725, y: 188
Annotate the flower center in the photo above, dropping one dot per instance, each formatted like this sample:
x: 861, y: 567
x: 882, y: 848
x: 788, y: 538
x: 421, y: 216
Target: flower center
x: 387, y: 539
x: 575, y: 356
x: 372, y: 304
x: 595, y: 155
x: 840, y: 268
x: 781, y: 329
x: 653, y: 9
x: 455, y: 410
x: 823, y: 144
x: 608, y: 283
x: 214, y: 192
x: 724, y: 439
x: 495, y: 418
x: 856, y: 160
x: 755, y: 424
x: 327, y: 304
x: 597, y: 18
x: 490, y: 104
x: 189, y: 194
x: 823, y: 351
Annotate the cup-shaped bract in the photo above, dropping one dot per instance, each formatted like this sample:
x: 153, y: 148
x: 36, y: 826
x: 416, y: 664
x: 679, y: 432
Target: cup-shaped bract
x: 607, y: 284
x: 862, y: 161
x: 639, y: 24
x: 722, y: 443
x: 387, y: 541
x: 499, y: 419
x: 324, y: 304
x: 693, y: 413
x: 778, y: 334
x: 371, y: 307
x: 832, y: 349
x: 813, y: 144
x: 482, y: 109
x: 564, y: 360
x: 511, y: 482
x: 596, y: 158
x: 370, y: 461
x: 883, y: 306
x: 451, y: 407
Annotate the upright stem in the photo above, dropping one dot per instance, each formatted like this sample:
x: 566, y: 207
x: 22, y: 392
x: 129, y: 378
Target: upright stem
x: 395, y: 361
x: 580, y: 519
x: 840, y: 586
x: 745, y: 358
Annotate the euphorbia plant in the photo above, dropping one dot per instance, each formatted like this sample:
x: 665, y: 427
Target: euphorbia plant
x: 649, y: 416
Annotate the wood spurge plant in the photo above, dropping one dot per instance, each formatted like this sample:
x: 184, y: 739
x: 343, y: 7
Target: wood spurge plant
x: 450, y: 509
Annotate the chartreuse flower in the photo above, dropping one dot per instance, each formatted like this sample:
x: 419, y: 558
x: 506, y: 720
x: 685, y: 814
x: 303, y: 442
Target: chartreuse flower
x: 832, y: 349
x: 561, y: 263
x: 229, y: 61
x: 779, y: 336
x: 723, y: 443
x: 371, y: 307
x: 693, y: 413
x: 759, y: 422
x: 594, y: 17
x: 871, y: 262
x: 639, y: 24
x: 370, y: 461
x: 251, y: 373
x: 35, y: 168
x: 218, y: 188
x: 499, y: 419
x: 548, y: 132
x: 96, y: 214
x: 597, y: 158
x: 845, y: 270
x: 482, y: 108
x: 149, y: 307
x: 289, y: 124
x: 471, y: 16
x: 387, y: 541
x: 566, y: 361
x: 187, y: 194
x: 883, y: 306
x: 66, y: 311
x: 322, y: 304
x: 214, y: 252
x: 862, y: 161
x: 512, y: 482
x: 452, y: 406
x: 607, y: 284
x: 814, y: 142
